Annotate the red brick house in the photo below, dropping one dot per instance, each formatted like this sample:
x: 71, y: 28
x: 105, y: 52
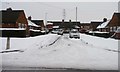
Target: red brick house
x: 65, y: 24
x: 49, y: 26
x: 34, y: 29
x: 110, y: 25
x: 84, y: 27
x: 103, y: 27
x: 14, y: 23
x: 114, y: 22
x: 94, y: 25
x: 114, y: 26
x: 38, y: 22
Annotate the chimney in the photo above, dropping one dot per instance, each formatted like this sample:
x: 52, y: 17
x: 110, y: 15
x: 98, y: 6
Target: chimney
x: 29, y: 18
x: 70, y: 21
x: 62, y: 20
x: 9, y: 9
x: 105, y: 19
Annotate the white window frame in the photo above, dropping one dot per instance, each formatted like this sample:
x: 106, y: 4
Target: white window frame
x: 111, y: 29
x: 19, y: 25
x: 114, y: 28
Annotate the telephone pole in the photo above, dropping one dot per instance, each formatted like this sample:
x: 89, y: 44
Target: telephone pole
x: 76, y: 15
x: 64, y: 14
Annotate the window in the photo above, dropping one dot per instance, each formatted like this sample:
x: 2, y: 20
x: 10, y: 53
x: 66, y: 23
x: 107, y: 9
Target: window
x: 114, y: 29
x: 81, y: 26
x: 111, y: 29
x: 19, y: 25
x: 23, y: 25
x: 30, y: 27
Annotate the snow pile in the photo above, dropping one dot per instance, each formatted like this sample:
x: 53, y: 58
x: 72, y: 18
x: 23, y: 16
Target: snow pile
x: 106, y: 43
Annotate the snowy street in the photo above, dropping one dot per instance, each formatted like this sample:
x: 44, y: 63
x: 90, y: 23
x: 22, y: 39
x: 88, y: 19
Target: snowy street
x: 55, y: 51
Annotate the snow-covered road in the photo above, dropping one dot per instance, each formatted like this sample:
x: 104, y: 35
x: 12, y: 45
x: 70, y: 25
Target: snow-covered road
x: 64, y: 53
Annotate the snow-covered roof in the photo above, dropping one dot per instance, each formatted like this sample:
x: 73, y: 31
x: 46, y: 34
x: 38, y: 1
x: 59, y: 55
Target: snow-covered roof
x: 55, y: 26
x: 32, y: 24
x: 77, y: 27
x: 103, y: 25
x: 12, y: 28
x: 97, y: 32
x: 49, y: 23
x: 64, y: 20
x: 34, y: 30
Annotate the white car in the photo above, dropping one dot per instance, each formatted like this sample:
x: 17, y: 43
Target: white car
x: 55, y: 31
x: 74, y: 33
x: 60, y: 32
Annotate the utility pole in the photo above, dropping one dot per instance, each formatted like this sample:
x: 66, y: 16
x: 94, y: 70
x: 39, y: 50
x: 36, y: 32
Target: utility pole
x: 45, y: 23
x: 8, y: 43
x: 46, y: 19
x: 76, y: 15
x: 64, y: 14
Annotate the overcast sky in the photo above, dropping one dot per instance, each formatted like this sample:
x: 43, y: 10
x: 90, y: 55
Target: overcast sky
x: 87, y: 11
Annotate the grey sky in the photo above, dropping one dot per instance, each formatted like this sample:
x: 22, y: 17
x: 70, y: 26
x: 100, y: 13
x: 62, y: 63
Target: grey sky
x: 87, y: 11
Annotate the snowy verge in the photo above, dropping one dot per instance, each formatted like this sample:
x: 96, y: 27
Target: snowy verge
x: 25, y: 43
x: 105, y: 43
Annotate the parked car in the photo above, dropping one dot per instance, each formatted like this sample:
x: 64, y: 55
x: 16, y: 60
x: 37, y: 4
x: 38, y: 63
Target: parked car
x: 116, y: 34
x: 74, y: 33
x: 55, y: 31
x: 67, y: 31
x: 83, y: 31
x: 60, y: 32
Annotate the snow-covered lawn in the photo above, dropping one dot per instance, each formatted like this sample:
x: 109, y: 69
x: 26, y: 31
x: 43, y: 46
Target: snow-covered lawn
x: 81, y: 53
x: 105, y: 43
x: 28, y: 43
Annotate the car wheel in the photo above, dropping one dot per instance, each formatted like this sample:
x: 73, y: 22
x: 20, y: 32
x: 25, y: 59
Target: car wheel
x: 70, y: 37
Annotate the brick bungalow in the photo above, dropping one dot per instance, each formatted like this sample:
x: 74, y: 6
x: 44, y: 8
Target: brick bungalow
x: 94, y: 25
x: 65, y: 24
x: 49, y: 26
x: 84, y: 27
x: 38, y: 22
x: 34, y: 29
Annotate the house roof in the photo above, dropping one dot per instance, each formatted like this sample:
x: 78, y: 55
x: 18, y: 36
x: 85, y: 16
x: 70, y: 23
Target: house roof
x: 103, y: 25
x: 85, y: 24
x: 38, y: 22
x: 10, y: 16
x: 118, y: 15
x: 49, y: 23
x: 56, y: 23
x: 96, y: 22
x: 55, y: 26
x: 61, y: 20
x: 32, y: 24
x: 115, y: 21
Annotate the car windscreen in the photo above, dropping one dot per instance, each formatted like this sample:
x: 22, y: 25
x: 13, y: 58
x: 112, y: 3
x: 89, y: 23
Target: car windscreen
x: 73, y: 31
